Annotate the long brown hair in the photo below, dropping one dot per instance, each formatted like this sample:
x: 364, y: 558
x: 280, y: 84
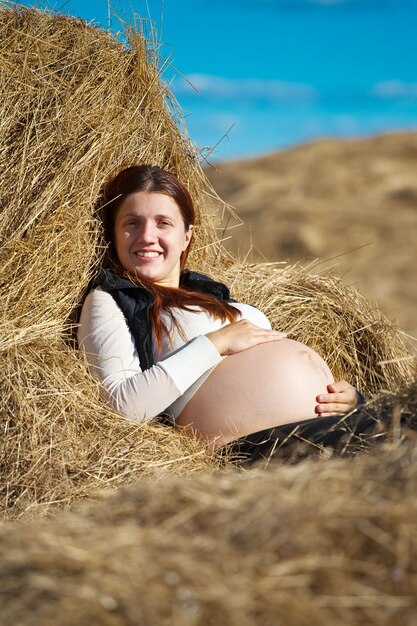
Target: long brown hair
x: 154, y: 179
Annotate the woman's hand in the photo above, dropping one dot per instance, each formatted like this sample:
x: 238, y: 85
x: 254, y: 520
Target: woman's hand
x: 241, y: 336
x: 342, y: 398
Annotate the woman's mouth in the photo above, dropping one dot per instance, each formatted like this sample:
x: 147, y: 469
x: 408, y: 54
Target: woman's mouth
x: 142, y: 254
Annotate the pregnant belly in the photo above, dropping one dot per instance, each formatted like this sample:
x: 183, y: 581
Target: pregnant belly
x: 268, y: 385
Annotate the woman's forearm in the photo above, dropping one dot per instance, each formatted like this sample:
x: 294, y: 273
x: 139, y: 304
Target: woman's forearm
x: 111, y: 355
x: 147, y: 394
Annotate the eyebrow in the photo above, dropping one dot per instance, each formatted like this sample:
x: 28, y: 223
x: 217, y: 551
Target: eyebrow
x: 159, y: 216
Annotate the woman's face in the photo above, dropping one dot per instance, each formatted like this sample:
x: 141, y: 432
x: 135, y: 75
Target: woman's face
x: 150, y: 236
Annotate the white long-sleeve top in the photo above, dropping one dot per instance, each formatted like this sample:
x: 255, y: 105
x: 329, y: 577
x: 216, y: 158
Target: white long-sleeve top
x: 181, y: 366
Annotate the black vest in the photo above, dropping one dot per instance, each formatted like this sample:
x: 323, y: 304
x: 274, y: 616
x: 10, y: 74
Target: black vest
x: 135, y: 303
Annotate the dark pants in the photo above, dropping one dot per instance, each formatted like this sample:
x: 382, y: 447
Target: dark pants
x: 333, y: 435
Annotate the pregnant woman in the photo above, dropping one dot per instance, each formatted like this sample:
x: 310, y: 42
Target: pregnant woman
x: 166, y: 341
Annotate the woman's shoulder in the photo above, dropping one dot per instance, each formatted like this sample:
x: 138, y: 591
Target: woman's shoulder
x: 98, y: 297
x: 99, y: 305
x: 102, y: 324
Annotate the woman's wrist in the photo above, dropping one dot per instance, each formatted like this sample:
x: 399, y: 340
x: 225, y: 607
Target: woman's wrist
x: 360, y: 399
x: 216, y: 341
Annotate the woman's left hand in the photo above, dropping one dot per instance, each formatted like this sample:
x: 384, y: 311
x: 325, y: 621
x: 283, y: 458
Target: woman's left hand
x: 342, y: 398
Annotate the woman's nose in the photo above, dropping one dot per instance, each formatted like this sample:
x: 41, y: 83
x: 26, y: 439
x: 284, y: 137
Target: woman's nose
x: 148, y: 233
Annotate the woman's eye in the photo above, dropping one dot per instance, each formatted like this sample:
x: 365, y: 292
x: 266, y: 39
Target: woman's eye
x: 165, y: 223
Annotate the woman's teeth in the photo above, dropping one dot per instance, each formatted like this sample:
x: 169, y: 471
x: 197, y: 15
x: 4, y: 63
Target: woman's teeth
x: 147, y: 255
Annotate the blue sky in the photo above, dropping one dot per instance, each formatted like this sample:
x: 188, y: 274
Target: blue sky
x: 273, y: 73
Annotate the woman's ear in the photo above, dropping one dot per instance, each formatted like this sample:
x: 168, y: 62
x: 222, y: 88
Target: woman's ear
x: 188, y: 236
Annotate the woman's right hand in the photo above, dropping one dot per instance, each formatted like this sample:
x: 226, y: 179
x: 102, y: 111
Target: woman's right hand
x: 242, y: 335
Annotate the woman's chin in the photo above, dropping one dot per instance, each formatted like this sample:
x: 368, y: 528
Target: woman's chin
x: 145, y: 271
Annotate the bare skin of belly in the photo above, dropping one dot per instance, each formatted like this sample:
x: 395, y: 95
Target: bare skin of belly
x: 268, y: 385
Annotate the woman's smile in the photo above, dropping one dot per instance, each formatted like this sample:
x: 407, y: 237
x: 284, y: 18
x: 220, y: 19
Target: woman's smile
x: 150, y: 237
x: 147, y: 255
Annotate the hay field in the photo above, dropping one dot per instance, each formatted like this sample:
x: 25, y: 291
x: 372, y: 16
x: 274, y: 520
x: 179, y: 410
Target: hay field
x: 77, y: 104
x: 349, y: 204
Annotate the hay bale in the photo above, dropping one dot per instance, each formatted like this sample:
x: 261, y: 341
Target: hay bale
x: 76, y: 104
x: 357, y: 341
x: 310, y: 544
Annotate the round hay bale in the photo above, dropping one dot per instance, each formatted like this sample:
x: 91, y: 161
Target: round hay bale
x: 77, y: 103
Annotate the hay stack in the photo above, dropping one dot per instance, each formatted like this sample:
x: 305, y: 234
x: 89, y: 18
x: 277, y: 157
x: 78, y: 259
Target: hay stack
x: 312, y: 544
x: 76, y: 104
x: 360, y: 344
